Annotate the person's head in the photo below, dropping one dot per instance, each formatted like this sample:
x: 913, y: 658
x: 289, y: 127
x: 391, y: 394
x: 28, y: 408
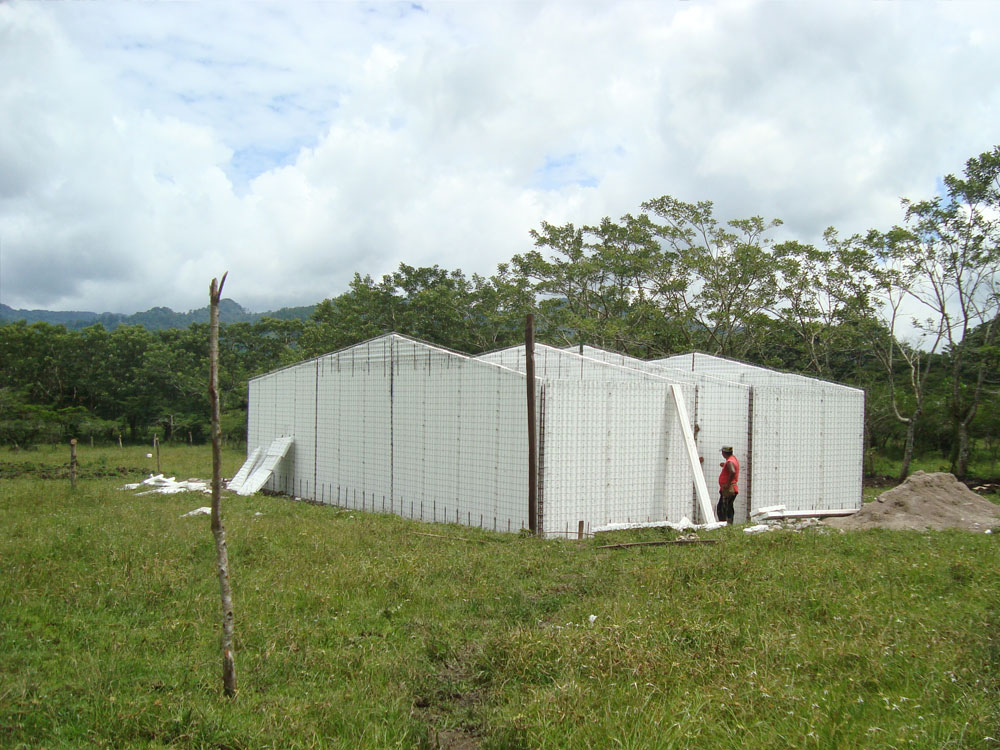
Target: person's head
x: 727, y: 450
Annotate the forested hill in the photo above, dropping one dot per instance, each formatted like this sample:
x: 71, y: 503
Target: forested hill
x: 154, y: 319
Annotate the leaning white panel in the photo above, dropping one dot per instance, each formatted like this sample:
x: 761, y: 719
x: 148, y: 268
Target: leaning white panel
x: 245, y: 470
x: 264, y: 470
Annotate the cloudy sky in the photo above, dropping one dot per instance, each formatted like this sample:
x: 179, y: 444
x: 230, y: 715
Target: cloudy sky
x: 147, y: 147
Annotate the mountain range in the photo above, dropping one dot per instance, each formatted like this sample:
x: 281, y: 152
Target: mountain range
x: 154, y: 319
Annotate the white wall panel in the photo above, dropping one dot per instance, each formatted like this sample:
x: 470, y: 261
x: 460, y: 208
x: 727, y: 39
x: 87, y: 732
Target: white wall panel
x: 302, y: 454
x: 351, y: 435
x: 377, y: 423
x: 610, y: 457
x: 719, y: 410
x: 328, y: 395
x: 253, y: 416
x: 283, y: 383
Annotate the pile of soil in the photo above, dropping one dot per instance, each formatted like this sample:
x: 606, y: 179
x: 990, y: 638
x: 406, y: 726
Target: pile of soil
x: 925, y: 501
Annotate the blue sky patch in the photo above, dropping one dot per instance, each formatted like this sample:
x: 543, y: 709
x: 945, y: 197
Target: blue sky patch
x: 560, y: 170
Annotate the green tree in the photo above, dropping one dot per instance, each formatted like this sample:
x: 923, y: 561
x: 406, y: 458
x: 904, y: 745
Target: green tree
x: 597, y: 284
x: 948, y: 256
x: 826, y: 301
x: 719, y: 280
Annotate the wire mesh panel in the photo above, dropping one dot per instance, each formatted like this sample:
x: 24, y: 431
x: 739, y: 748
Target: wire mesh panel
x: 786, y: 469
x: 302, y: 454
x: 460, y: 437
x: 363, y: 437
x: 807, y: 435
x: 328, y: 430
x: 399, y: 426
x: 409, y: 431
x: 742, y: 372
x: 253, y: 415
x: 560, y: 364
x: 720, y: 411
x: 611, y: 456
x: 375, y: 373
x: 591, y: 419
x: 842, y: 448
x: 283, y: 384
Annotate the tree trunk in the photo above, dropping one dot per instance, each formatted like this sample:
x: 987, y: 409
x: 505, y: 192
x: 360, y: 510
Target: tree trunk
x: 963, y: 451
x: 911, y: 428
x: 218, y: 530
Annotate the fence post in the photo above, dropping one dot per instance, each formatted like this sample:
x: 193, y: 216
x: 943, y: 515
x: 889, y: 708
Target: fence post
x: 156, y: 447
x: 529, y: 371
x: 72, y: 463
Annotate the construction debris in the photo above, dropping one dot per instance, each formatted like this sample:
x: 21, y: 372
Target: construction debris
x: 684, y: 524
x: 169, y: 485
x: 785, y: 524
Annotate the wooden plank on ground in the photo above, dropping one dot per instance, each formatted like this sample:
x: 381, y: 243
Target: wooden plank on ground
x: 657, y: 544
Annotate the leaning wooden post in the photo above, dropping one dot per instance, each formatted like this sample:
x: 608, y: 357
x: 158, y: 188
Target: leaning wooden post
x: 72, y: 463
x: 529, y: 371
x: 218, y: 531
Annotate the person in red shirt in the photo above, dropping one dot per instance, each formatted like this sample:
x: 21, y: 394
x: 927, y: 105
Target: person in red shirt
x: 728, y: 487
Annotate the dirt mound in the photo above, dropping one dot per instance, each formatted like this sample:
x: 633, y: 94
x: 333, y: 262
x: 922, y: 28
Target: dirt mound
x: 925, y: 501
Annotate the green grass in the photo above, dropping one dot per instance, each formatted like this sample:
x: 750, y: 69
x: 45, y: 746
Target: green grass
x: 355, y: 630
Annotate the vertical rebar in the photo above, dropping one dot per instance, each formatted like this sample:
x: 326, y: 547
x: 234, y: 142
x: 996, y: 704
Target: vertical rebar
x: 529, y: 369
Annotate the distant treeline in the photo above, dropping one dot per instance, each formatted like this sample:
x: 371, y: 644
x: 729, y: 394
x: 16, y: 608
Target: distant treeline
x: 154, y: 319
x: 671, y: 278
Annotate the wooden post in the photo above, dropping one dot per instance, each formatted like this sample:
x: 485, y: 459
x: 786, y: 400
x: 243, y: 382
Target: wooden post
x: 122, y: 447
x: 218, y: 530
x: 529, y: 371
x: 156, y: 447
x: 579, y: 531
x: 72, y: 463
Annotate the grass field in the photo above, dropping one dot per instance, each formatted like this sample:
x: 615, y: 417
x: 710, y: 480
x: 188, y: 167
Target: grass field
x: 358, y: 630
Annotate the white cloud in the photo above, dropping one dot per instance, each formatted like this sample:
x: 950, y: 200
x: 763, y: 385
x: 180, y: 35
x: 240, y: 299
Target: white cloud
x: 145, y: 148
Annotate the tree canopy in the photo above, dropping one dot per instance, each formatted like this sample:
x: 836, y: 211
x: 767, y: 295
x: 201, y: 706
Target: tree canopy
x: 671, y: 277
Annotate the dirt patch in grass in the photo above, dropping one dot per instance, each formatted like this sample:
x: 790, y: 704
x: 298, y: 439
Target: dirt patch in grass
x: 925, y: 501
x: 449, y: 703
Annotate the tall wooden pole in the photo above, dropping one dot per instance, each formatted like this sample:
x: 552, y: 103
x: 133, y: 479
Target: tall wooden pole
x: 218, y: 530
x: 529, y: 370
